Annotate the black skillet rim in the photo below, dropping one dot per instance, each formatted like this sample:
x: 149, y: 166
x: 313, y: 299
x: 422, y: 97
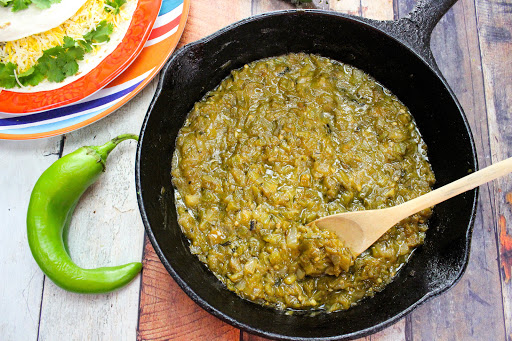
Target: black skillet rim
x: 219, y: 314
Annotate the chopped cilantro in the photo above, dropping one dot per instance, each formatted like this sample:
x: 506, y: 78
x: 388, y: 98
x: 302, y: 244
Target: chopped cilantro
x: 59, y: 62
x: 113, y: 6
x: 100, y: 34
x: 7, y: 79
x: 56, y: 63
x: 85, y: 45
x: 31, y: 77
x: 18, y: 5
x: 69, y: 42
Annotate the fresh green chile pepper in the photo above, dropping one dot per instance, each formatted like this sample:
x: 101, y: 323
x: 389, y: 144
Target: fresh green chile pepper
x: 51, y: 206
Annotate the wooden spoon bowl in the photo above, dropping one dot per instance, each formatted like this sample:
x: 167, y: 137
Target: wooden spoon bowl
x: 359, y: 230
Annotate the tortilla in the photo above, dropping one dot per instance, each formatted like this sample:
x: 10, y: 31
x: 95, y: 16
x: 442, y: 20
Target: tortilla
x: 21, y: 24
x: 91, y: 60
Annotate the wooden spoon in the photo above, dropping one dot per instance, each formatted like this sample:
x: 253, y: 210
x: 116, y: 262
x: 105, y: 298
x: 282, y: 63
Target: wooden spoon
x: 359, y: 230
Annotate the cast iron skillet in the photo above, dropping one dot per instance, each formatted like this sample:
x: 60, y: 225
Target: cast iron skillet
x: 397, y: 54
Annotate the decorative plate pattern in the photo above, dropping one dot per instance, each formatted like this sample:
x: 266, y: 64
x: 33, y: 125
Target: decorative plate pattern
x: 162, y: 41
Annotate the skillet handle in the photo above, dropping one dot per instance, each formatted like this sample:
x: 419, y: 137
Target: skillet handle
x: 415, y: 29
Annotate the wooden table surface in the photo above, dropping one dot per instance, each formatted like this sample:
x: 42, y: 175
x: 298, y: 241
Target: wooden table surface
x: 473, y: 47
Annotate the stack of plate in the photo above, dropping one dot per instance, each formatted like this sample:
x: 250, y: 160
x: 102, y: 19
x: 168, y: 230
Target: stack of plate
x: 116, y: 80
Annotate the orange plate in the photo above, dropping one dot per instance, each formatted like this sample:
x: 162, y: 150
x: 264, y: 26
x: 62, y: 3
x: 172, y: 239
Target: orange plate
x: 138, y: 32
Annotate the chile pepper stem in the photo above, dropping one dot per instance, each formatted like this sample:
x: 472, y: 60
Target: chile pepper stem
x: 105, y: 149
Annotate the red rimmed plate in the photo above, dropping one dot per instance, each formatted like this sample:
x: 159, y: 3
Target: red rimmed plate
x: 162, y: 41
x: 114, y: 64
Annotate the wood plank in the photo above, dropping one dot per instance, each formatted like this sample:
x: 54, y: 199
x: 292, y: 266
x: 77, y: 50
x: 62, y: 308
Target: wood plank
x: 381, y: 10
x: 167, y: 313
x: 352, y: 7
x: 106, y: 230
x: 396, y: 332
x: 206, y: 17
x: 262, y: 6
x: 404, y: 7
x: 454, y: 315
x: 495, y: 33
x: 21, y: 162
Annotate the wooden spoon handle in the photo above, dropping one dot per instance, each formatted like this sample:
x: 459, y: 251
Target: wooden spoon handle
x: 457, y: 187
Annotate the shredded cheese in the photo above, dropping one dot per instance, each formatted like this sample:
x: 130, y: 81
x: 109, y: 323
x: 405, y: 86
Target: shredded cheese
x: 26, y: 51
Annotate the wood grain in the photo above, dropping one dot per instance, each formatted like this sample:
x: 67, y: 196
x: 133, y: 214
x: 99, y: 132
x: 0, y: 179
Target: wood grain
x: 106, y: 230
x: 473, y: 47
x: 347, y: 6
x: 381, y: 10
x: 21, y: 285
x: 167, y: 313
x: 206, y: 17
x: 262, y: 6
x: 453, y: 314
x: 495, y: 34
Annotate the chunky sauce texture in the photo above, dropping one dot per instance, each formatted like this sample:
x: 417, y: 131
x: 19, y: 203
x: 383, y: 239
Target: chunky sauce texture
x: 279, y: 143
